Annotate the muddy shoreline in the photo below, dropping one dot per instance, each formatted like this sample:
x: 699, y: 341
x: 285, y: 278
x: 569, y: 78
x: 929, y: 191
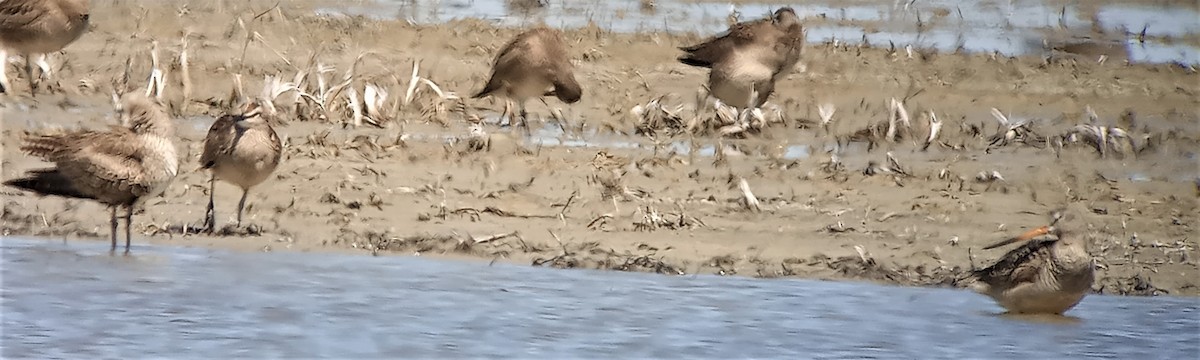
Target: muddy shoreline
x: 666, y: 200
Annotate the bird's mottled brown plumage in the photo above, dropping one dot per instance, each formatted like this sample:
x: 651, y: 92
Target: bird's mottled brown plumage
x: 749, y: 58
x: 535, y: 63
x: 120, y: 167
x: 1042, y: 275
x: 37, y: 27
x: 242, y: 149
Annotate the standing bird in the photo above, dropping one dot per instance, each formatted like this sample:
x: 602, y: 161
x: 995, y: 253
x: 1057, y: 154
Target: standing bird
x: 533, y: 64
x: 242, y: 149
x: 121, y: 167
x: 749, y: 58
x: 1042, y: 276
x: 34, y: 28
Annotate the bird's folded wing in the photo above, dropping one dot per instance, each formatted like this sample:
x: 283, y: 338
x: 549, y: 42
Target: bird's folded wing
x: 107, y: 161
x: 219, y: 140
x: 17, y: 17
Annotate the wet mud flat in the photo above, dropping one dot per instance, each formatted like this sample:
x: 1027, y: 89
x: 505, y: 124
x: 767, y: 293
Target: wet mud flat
x: 639, y: 176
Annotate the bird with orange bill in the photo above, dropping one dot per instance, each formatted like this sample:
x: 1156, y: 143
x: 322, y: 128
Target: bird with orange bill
x: 1043, y: 275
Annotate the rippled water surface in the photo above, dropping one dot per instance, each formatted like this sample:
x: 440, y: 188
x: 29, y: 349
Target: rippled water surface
x: 1007, y: 27
x: 74, y: 300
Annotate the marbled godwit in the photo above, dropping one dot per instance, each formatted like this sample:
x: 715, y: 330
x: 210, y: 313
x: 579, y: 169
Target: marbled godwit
x: 242, y: 149
x: 749, y: 58
x: 1042, y: 276
x: 528, y: 66
x: 34, y: 28
x: 120, y: 167
x: 525, y: 6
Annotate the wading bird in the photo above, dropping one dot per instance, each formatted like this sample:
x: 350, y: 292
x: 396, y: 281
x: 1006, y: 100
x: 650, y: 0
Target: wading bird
x: 241, y: 149
x: 534, y: 64
x: 121, y: 167
x: 1047, y: 276
x: 749, y: 58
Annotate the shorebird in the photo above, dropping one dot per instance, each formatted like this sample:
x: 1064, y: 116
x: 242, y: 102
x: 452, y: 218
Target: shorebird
x: 1042, y: 276
x: 533, y: 64
x: 121, y: 167
x: 34, y: 28
x: 241, y: 149
x: 525, y: 6
x: 749, y: 58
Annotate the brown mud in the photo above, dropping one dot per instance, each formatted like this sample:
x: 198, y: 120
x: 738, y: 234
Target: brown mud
x: 421, y: 183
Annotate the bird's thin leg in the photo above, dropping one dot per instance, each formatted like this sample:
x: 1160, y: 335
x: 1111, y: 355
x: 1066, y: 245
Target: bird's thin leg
x: 112, y: 223
x: 128, y: 227
x: 507, y: 116
x: 524, y: 116
x: 210, y: 216
x: 44, y: 66
x: 29, y: 74
x: 4, y: 85
x: 242, y: 204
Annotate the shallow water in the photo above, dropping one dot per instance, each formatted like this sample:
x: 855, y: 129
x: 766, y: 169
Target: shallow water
x: 1007, y: 27
x: 74, y: 300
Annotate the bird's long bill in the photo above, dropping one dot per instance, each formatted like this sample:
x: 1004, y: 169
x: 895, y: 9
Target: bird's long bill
x: 1023, y: 237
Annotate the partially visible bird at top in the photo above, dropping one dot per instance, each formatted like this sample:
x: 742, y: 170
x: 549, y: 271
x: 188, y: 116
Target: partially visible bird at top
x: 749, y: 58
x: 34, y: 28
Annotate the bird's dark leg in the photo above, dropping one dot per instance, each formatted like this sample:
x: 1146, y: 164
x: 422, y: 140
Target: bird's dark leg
x: 506, y: 115
x: 210, y: 216
x: 29, y: 73
x: 112, y: 223
x: 128, y: 227
x: 524, y: 116
x: 242, y: 204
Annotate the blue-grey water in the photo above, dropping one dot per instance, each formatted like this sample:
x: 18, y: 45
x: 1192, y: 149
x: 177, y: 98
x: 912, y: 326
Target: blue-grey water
x: 1006, y: 27
x: 74, y: 300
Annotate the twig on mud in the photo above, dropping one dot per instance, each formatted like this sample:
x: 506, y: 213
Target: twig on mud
x: 560, y: 243
x: 562, y: 214
x: 500, y: 212
x: 184, y: 73
x: 971, y: 259
x: 266, y: 44
x: 261, y: 14
x: 645, y: 84
x: 158, y: 77
x: 751, y: 202
x: 864, y: 255
x: 935, y: 128
x: 895, y: 164
x: 887, y: 216
x: 896, y: 111
x: 599, y: 221
x: 838, y: 228
x: 826, y: 112
x: 494, y: 237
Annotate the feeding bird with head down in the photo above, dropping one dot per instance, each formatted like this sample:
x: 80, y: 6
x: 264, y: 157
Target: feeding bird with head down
x: 533, y: 64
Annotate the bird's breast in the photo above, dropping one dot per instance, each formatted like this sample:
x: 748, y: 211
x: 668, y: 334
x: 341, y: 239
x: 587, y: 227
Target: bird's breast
x: 745, y: 67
